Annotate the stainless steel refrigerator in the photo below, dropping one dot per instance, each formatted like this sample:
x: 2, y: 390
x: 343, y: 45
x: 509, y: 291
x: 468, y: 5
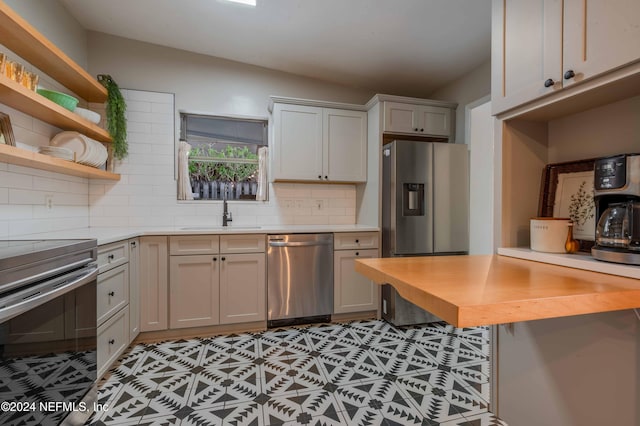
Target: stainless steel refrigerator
x: 425, y: 211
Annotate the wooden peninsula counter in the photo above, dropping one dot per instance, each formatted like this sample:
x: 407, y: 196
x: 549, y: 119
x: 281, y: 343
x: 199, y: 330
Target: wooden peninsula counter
x: 568, y: 353
x: 470, y: 291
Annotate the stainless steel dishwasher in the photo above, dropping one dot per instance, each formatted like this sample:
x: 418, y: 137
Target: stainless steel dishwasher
x: 299, y: 279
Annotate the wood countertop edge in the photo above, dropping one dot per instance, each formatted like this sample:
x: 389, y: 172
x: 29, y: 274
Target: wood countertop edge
x: 471, y: 315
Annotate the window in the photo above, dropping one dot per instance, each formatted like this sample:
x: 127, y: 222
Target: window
x: 224, y: 155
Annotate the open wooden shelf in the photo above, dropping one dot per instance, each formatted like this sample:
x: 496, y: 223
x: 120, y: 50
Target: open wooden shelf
x: 21, y: 37
x: 19, y: 97
x: 21, y: 157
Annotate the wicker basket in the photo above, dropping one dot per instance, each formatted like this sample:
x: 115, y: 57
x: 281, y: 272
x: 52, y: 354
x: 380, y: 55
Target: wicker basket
x: 62, y: 99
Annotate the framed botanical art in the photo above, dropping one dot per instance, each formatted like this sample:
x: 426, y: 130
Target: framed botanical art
x: 567, y: 191
x: 6, y: 131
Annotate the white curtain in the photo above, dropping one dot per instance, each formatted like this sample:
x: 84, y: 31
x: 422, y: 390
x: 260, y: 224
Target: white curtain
x: 184, y: 183
x: 263, y: 154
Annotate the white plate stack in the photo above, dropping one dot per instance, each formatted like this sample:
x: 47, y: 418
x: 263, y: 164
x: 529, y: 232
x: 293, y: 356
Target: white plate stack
x: 87, y: 151
x: 58, y: 152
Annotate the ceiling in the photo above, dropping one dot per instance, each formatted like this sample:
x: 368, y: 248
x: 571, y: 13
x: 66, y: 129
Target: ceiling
x: 403, y: 47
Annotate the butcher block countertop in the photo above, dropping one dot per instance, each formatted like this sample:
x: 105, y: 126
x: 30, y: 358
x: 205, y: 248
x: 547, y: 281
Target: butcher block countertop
x: 469, y: 291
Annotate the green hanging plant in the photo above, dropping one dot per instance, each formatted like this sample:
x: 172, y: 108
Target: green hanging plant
x: 116, y: 120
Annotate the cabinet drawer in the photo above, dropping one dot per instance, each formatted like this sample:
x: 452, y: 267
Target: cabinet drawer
x: 113, y: 339
x: 112, y: 292
x: 112, y: 255
x: 242, y: 243
x: 355, y: 240
x: 194, y: 244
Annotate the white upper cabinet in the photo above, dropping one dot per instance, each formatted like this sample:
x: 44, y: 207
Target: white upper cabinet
x: 344, y: 145
x: 297, y: 147
x: 542, y: 46
x: 314, y: 143
x: 417, y: 119
x: 599, y: 36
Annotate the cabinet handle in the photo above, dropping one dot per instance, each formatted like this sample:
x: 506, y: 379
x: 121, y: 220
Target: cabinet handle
x: 422, y: 130
x: 415, y: 130
x: 111, y: 341
x: 112, y: 293
x: 215, y: 259
x: 569, y: 75
x: 111, y: 256
x: 357, y: 254
x: 133, y: 244
x: 223, y: 258
x: 357, y: 241
x: 326, y: 177
x: 320, y: 177
x: 549, y: 82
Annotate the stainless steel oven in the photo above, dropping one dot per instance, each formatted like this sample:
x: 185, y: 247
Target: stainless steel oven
x: 48, y: 342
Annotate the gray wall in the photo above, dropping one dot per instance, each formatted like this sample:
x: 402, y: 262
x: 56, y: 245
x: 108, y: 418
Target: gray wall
x: 55, y: 23
x: 470, y: 87
x: 203, y: 83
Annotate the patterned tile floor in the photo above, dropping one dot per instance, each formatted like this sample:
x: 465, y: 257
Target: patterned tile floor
x: 357, y: 373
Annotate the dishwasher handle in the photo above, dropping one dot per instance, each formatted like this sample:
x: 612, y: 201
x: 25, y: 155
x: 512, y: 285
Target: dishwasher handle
x: 299, y: 243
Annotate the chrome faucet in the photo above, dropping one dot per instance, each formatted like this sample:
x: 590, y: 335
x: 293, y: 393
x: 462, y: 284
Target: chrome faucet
x: 226, y: 214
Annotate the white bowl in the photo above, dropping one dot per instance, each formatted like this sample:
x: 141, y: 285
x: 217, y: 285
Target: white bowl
x: 549, y: 234
x: 93, y: 117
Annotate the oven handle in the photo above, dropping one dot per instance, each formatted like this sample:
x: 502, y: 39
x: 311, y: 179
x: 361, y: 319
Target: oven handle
x: 37, y: 295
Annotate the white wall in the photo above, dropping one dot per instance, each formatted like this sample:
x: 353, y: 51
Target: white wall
x: 471, y: 87
x: 481, y: 183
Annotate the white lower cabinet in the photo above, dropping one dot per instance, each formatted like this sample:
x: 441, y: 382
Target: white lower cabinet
x: 242, y: 288
x: 225, y: 284
x: 154, y: 283
x: 113, y: 339
x: 352, y: 291
x: 117, y: 267
x: 194, y: 285
x: 134, y: 288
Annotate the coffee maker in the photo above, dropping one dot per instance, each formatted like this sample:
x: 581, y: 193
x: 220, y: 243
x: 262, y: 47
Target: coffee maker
x: 617, y: 200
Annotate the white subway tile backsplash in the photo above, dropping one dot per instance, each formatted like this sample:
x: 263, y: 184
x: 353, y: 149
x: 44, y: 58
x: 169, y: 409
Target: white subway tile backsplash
x: 16, y: 180
x: 18, y: 211
x: 162, y: 128
x: 166, y: 108
x: 139, y: 127
x: 25, y: 196
x: 4, y: 196
x: 141, y: 106
x: 144, y: 96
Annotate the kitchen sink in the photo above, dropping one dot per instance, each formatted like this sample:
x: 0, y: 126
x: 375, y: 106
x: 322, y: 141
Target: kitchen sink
x: 218, y: 228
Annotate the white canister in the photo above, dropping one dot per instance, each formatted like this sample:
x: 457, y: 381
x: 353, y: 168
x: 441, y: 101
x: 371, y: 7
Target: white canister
x: 549, y: 234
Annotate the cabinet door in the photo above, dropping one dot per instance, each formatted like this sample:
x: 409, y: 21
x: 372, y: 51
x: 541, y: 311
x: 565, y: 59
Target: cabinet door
x: 242, y: 288
x: 153, y: 283
x: 434, y: 121
x: 353, y: 292
x: 134, y: 289
x: 400, y: 118
x: 194, y: 297
x: 112, y: 292
x: 297, y: 143
x: 599, y: 36
x: 345, y: 145
x: 113, y: 339
x: 526, y: 51
x: 112, y: 255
